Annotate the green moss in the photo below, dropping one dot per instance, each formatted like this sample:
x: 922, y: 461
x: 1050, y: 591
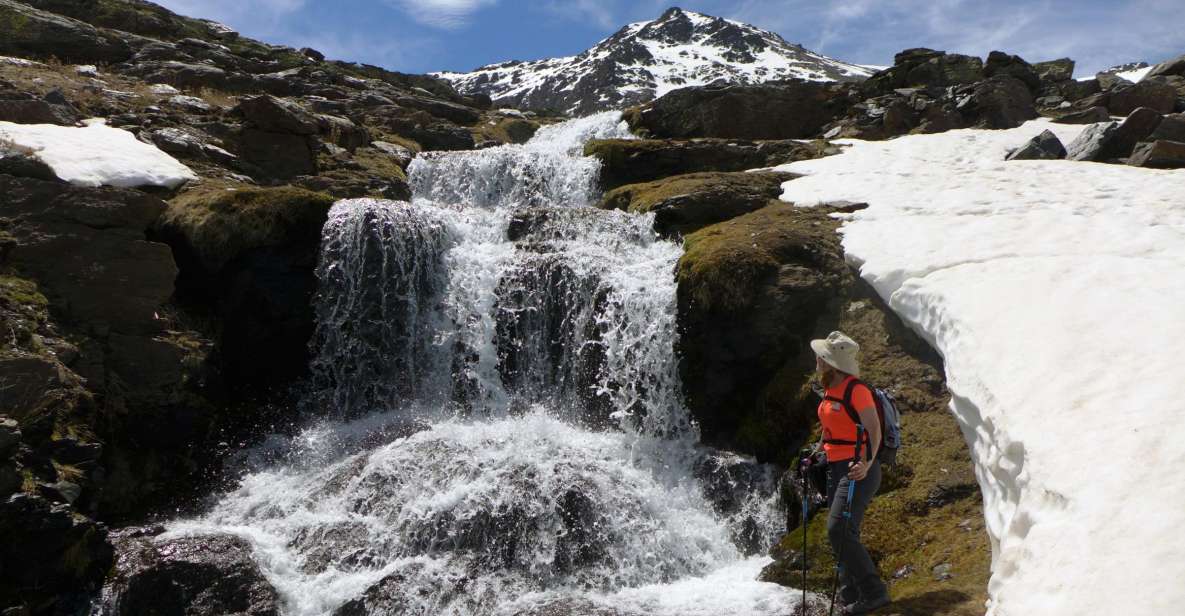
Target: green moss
x: 221, y: 222
x: 380, y: 164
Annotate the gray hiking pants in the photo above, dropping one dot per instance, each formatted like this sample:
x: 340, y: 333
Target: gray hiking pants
x: 858, y: 574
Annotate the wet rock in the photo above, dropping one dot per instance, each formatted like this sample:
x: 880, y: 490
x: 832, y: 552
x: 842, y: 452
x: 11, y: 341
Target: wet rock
x: 1000, y: 63
x: 685, y: 203
x: 789, y: 110
x: 1045, y: 146
x: 1090, y: 115
x: 1159, y: 154
x: 53, y: 559
x: 41, y: 34
x: 630, y: 161
x: 1058, y: 70
x: 1092, y: 142
x: 1124, y: 99
x: 189, y: 576
x: 573, y: 607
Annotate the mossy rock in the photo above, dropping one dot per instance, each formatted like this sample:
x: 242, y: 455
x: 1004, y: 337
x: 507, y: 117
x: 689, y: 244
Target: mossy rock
x: 220, y: 222
x: 752, y: 292
x: 630, y: 161
x: 685, y: 203
x: 506, y: 130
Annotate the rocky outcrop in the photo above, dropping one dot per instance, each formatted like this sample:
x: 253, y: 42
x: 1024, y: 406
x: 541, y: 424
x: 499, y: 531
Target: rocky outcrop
x: 1110, y: 141
x: 248, y: 254
x: 922, y: 67
x: 189, y: 576
x: 1175, y: 66
x: 1126, y: 98
x: 1159, y: 154
x: 629, y: 161
x: 683, y: 204
x: 789, y: 110
x: 752, y: 291
x: 30, y: 32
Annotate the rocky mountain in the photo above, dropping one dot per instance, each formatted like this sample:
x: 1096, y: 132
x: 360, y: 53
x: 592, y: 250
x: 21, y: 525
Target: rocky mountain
x: 645, y: 60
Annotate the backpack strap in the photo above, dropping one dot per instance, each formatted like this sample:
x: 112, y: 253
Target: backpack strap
x: 846, y: 402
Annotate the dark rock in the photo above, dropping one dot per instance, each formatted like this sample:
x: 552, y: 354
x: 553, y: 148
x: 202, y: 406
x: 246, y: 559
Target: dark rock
x: 1171, y: 128
x: 1045, y: 146
x: 1000, y: 63
x: 999, y: 102
x: 343, y: 132
x: 64, y: 231
x: 1090, y: 115
x: 29, y: 32
x: 188, y: 577
x: 949, y: 491
x: 1134, y: 129
x: 685, y: 203
x: 924, y: 67
x: 52, y: 558
x: 279, y: 155
x: 433, y: 135
x: 1074, y: 90
x: 11, y: 479
x: 444, y: 110
x: 1175, y: 66
x: 271, y: 114
x: 24, y: 166
x: 789, y: 110
x: 312, y: 54
x: 1092, y: 142
x: 10, y: 436
x: 1154, y: 94
x: 1058, y: 70
x: 183, y: 75
x: 37, y: 112
x: 1176, y: 82
x: 1159, y: 154
x: 1109, y: 81
x: 61, y: 492
x: 402, y: 155
x: 751, y: 293
x: 629, y: 161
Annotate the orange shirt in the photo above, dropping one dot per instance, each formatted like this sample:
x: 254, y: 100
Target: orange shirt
x: 838, y: 425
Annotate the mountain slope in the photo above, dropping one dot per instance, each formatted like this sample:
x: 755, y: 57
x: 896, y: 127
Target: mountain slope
x: 645, y: 60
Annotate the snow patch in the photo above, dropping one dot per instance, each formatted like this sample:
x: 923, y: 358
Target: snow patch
x: 97, y: 155
x: 1053, y: 291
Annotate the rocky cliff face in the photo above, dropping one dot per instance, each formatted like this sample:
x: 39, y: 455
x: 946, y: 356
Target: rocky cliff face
x: 648, y: 59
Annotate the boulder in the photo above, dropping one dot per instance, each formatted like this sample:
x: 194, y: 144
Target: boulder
x: 29, y: 32
x: 445, y: 110
x: 280, y: 156
x: 1058, y: 70
x: 1159, y: 154
x: 86, y: 249
x: 1090, y: 115
x: 629, y: 161
x: 1045, y: 146
x: 1000, y: 63
x: 53, y: 559
x: 924, y: 67
x: 1171, y: 128
x: 685, y: 203
x: 26, y: 166
x: 189, y: 576
x: 342, y: 132
x: 276, y: 115
x: 1134, y: 129
x: 1092, y: 142
x: 37, y: 112
x: 249, y: 254
x: 1000, y: 102
x: 402, y: 154
x: 1074, y: 90
x: 752, y: 291
x: 787, y: 110
x: 1126, y: 98
x: 1175, y: 66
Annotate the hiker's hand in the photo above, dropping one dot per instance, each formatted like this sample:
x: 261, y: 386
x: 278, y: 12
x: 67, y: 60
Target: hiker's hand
x: 858, y: 470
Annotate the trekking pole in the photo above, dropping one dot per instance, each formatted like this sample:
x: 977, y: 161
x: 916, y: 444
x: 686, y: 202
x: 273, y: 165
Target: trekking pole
x: 847, y: 516
x: 803, y: 468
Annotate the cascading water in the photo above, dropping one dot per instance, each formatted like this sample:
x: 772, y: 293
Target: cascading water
x: 503, y: 430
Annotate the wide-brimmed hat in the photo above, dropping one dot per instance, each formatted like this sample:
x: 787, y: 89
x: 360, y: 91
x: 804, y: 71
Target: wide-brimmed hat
x: 839, y: 351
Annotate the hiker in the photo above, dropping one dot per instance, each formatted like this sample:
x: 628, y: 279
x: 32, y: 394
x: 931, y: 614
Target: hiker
x: 835, y: 361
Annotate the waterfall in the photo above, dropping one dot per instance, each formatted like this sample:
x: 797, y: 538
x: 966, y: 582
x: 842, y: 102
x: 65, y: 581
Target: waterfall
x: 501, y: 427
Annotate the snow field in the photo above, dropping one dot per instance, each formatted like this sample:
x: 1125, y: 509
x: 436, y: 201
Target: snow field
x: 96, y: 155
x: 1053, y: 290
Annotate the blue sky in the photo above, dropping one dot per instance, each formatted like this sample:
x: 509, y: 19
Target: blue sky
x: 427, y: 35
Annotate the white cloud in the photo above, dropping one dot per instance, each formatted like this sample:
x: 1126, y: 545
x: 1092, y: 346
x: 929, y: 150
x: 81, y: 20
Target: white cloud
x: 445, y: 14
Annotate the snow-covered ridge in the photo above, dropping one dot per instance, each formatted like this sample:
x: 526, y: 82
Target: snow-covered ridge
x: 646, y: 59
x: 1053, y: 291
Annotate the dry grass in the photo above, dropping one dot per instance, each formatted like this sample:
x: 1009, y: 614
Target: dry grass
x: 218, y: 98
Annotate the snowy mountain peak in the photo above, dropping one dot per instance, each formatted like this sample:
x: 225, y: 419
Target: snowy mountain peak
x: 644, y: 60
